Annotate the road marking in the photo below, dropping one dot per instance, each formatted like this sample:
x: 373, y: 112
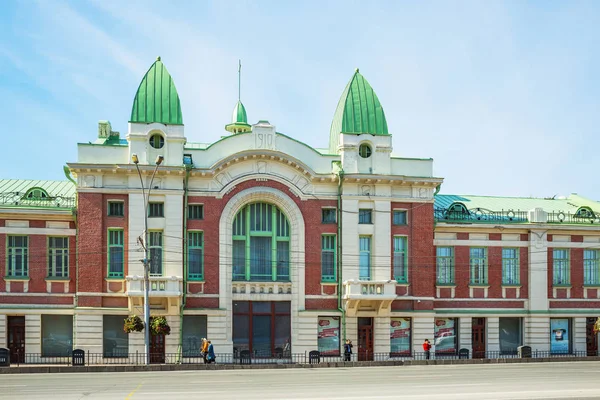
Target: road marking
x: 134, y: 390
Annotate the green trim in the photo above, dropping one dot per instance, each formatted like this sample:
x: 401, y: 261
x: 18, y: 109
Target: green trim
x: 154, y: 246
x: 562, y: 266
x: 11, y: 266
x: 449, y: 265
x: 367, y: 252
x: 65, y: 258
x: 402, y: 250
x: 16, y: 278
x: 195, y: 241
x: 477, y: 266
x: 329, y: 246
x: 508, y: 279
x: 118, y: 244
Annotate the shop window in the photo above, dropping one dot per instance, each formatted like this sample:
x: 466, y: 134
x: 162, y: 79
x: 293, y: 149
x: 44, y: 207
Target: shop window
x: 400, y: 336
x: 262, y: 328
x: 560, y: 335
x: 114, y: 340
x: 194, y: 329
x: 445, y: 335
x: 57, y: 335
x: 328, y: 336
x: 511, y: 335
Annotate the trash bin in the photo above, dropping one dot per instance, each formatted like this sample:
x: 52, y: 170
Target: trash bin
x: 463, y: 354
x: 245, y: 357
x: 314, y: 357
x: 4, y: 357
x: 524, y: 351
x: 78, y: 358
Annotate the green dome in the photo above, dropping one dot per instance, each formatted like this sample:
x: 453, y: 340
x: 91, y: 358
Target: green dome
x: 358, y: 112
x: 156, y: 99
x: 239, y: 114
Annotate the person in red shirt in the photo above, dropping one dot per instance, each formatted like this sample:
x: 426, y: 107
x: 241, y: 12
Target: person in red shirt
x: 427, y: 348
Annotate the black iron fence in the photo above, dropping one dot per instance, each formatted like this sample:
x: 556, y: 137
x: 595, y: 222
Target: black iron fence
x: 17, y: 199
x: 480, y: 215
x: 92, y: 359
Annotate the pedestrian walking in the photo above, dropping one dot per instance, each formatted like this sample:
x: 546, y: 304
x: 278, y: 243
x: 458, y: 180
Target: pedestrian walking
x: 204, y: 350
x: 427, y: 349
x: 211, y: 353
x: 348, y: 350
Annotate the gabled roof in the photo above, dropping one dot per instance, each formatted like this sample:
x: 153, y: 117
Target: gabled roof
x: 565, y: 204
x: 358, y: 111
x: 156, y: 99
x: 26, y: 193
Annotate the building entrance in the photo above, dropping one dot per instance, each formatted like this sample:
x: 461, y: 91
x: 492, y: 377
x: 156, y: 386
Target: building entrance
x: 478, y: 337
x: 365, y: 339
x: 16, y: 339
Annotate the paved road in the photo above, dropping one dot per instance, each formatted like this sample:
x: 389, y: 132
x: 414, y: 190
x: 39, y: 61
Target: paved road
x: 574, y: 380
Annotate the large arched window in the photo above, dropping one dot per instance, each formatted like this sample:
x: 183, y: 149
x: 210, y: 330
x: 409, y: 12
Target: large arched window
x: 261, y: 244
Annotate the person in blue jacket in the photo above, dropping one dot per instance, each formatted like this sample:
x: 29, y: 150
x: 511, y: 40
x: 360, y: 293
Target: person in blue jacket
x: 210, y: 358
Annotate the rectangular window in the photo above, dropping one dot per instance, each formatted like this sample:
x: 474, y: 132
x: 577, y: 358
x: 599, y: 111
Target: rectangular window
x: 399, y: 217
x: 365, y: 216
x: 17, y: 263
x: 283, y: 261
x: 445, y: 335
x: 328, y: 258
x: 445, y: 265
x: 328, y: 215
x: 560, y: 335
x: 57, y: 335
x: 194, y: 329
x: 510, y: 266
x: 195, y: 255
x: 400, y: 259
x: 560, y: 267
x: 591, y: 267
x: 58, y: 257
x: 156, y: 210
x: 261, y: 328
x: 156, y: 253
x: 511, y: 335
x: 115, y: 341
x: 478, y: 263
x: 116, y: 209
x: 196, y: 211
x: 328, y: 336
x: 400, y: 336
x: 239, y: 260
x: 365, y: 257
x: 115, y: 253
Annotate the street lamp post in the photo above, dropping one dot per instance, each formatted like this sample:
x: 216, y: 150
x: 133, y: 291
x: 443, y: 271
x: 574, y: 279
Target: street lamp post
x: 146, y: 260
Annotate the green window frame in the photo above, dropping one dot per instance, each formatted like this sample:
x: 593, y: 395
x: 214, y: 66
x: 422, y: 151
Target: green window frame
x: 400, y: 259
x: 196, y: 211
x: 328, y: 215
x: 478, y: 265
x: 445, y: 265
x: 116, y: 209
x: 591, y: 267
x: 399, y: 217
x: 156, y: 209
x: 261, y: 244
x: 195, y: 255
x: 365, y: 216
x: 561, y: 271
x: 328, y: 258
x: 58, y: 257
x: 155, y: 245
x: 116, y: 253
x: 364, y: 268
x: 510, y: 266
x: 17, y: 256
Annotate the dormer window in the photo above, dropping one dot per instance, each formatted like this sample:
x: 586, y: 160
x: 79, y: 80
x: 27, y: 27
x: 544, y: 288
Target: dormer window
x: 458, y: 211
x: 585, y: 212
x: 364, y: 150
x: 36, y: 194
x: 157, y: 141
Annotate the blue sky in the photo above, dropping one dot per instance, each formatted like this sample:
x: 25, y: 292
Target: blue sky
x: 502, y: 95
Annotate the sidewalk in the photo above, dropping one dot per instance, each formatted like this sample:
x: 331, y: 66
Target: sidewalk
x: 42, y: 369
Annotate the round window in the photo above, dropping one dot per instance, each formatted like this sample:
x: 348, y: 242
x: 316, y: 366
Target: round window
x: 157, y: 141
x: 364, y: 150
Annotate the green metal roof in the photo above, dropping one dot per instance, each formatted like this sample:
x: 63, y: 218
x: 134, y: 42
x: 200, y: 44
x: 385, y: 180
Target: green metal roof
x: 58, y: 194
x: 358, y: 111
x: 239, y: 114
x: 156, y: 99
x: 568, y: 204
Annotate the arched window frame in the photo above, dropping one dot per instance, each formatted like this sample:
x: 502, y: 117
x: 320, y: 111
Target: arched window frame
x: 261, y: 220
x: 585, y: 212
x: 41, y: 194
x: 458, y: 211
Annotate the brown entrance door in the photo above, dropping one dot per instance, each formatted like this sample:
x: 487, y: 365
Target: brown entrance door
x: 591, y: 339
x: 365, y: 339
x: 157, y: 349
x: 478, y: 337
x: 16, y: 339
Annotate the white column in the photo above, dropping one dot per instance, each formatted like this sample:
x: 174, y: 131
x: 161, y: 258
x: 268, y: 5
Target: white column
x: 422, y: 328
x: 578, y: 336
x: 88, y: 332
x: 381, y: 335
x: 493, y: 334
x: 172, y: 340
x: 172, y: 236
x: 382, y: 241
x: 3, y: 335
x: 136, y: 229
x: 217, y: 332
x: 350, y: 259
x: 537, y: 333
x: 305, y: 337
x: 33, y: 334
x: 538, y: 270
x: 465, y: 333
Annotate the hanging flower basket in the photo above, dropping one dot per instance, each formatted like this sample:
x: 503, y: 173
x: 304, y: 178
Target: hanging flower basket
x: 133, y: 323
x: 159, y: 326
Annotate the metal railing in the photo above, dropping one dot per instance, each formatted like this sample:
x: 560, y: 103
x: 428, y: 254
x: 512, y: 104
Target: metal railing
x: 16, y: 199
x: 480, y: 215
x: 94, y: 359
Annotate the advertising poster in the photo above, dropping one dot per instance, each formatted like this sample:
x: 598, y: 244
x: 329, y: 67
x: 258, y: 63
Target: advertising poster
x: 559, y: 335
x: 445, y: 335
x: 328, y: 338
x: 400, y: 336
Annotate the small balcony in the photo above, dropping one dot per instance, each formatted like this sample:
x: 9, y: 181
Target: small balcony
x: 368, y: 296
x: 160, y: 286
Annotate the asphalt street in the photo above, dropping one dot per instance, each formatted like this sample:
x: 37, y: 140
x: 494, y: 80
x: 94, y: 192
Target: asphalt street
x: 573, y: 380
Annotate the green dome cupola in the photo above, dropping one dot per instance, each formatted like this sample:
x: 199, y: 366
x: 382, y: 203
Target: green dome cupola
x: 358, y: 112
x: 239, y: 119
x: 157, y: 99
